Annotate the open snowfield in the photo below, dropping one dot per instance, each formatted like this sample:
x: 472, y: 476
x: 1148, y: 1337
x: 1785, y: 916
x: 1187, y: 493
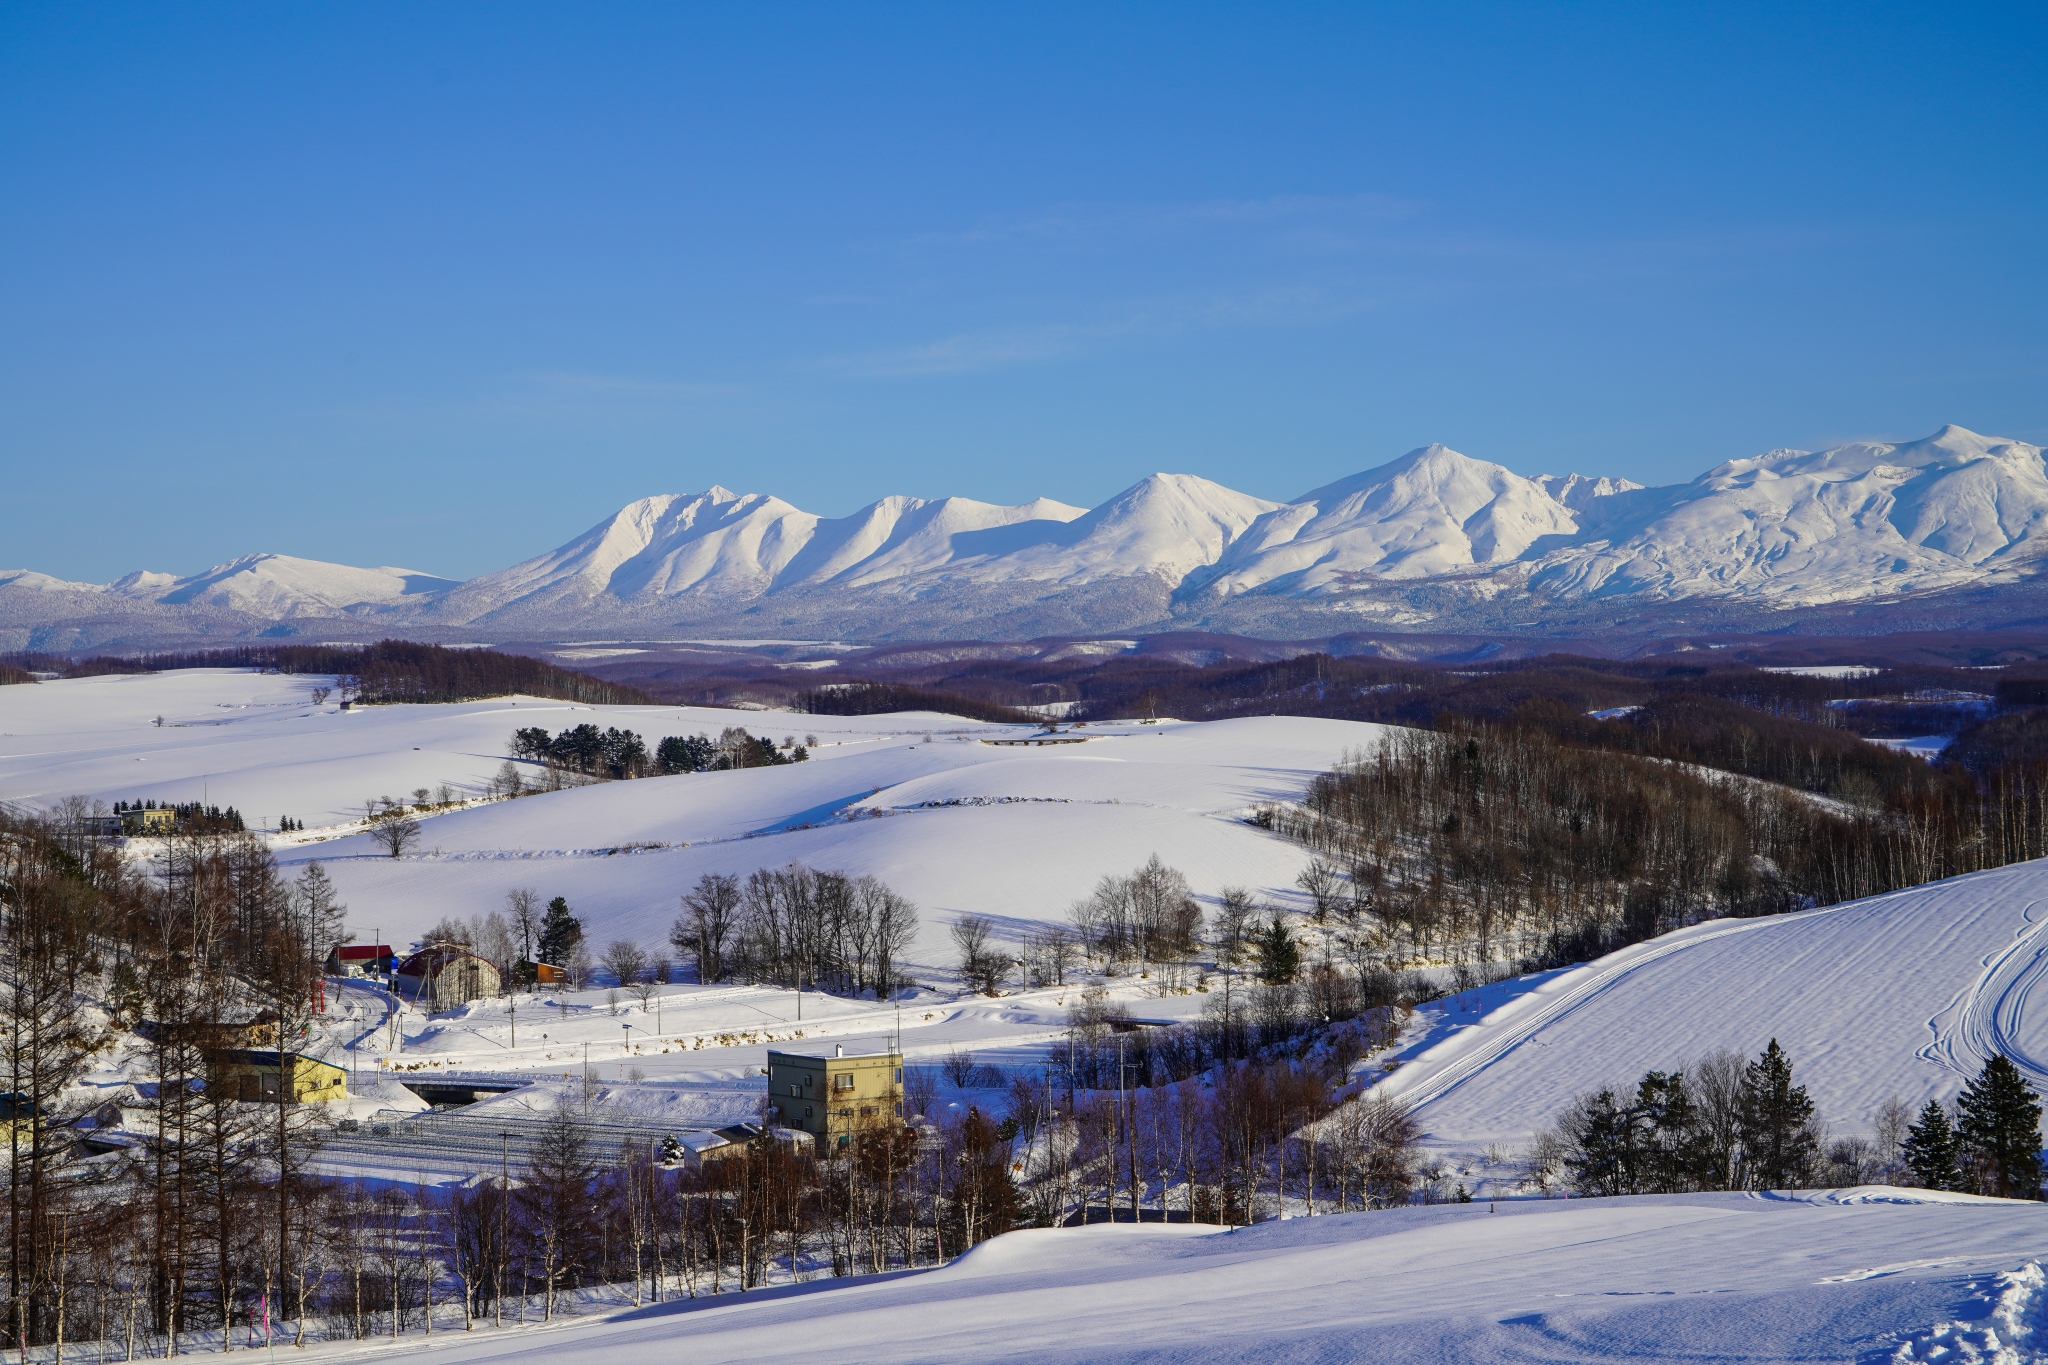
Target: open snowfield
x: 1865, y: 1275
x: 956, y: 824
x: 1033, y: 828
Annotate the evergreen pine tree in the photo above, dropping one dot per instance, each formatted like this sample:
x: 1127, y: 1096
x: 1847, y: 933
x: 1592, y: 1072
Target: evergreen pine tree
x: 560, y: 932
x: 1677, y: 1155
x: 1602, y: 1160
x: 1998, y: 1120
x: 1930, y: 1150
x: 1775, y: 1120
x: 1279, y: 957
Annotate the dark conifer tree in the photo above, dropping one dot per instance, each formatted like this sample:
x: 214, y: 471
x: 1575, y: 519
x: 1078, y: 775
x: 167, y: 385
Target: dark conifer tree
x: 1930, y: 1150
x: 1678, y: 1155
x: 1778, y: 1142
x: 560, y: 932
x: 1603, y: 1158
x: 1999, y: 1124
x: 1279, y: 956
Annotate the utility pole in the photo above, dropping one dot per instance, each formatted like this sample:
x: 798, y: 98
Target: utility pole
x: 504, y: 1207
x: 1130, y: 1129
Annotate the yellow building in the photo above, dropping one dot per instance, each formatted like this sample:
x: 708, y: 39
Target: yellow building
x: 833, y: 1097
x: 17, y: 1123
x: 253, y: 1074
x: 154, y: 820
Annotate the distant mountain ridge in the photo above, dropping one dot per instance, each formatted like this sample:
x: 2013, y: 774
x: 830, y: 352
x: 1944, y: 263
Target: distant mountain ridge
x: 1432, y: 540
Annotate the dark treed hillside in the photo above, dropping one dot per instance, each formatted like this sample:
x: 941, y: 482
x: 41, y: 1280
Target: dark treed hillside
x: 878, y: 698
x: 394, y: 671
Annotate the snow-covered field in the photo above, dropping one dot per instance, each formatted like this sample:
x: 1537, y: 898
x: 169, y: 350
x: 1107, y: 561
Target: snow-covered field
x: 956, y: 824
x: 1864, y: 1275
x: 1902, y: 994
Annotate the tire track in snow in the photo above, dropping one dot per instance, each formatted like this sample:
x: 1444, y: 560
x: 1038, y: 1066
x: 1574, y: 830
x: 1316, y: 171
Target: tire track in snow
x: 1986, y: 1018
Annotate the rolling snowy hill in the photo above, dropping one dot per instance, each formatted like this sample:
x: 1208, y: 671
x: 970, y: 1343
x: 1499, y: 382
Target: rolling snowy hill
x: 917, y: 799
x: 1432, y: 540
x: 1863, y: 1275
x: 1901, y: 995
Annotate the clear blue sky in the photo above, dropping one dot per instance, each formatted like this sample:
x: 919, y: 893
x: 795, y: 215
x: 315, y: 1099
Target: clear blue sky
x: 442, y: 285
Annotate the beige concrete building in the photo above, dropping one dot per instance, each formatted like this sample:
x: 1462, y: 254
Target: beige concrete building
x: 832, y: 1097
x: 446, y: 975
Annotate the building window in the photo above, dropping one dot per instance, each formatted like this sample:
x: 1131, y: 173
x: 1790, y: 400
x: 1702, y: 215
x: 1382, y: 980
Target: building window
x: 807, y: 1111
x: 899, y: 1075
x: 843, y: 1081
x: 792, y: 1092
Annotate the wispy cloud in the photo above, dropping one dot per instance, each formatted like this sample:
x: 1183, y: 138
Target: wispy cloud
x: 993, y: 348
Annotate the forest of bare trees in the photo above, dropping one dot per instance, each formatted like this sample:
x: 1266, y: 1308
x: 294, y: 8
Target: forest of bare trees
x: 1489, y: 842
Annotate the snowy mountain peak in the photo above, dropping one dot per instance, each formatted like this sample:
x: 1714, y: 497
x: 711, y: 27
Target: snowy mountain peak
x: 1577, y: 491
x: 283, y: 586
x: 1420, y: 534
x: 1430, y: 512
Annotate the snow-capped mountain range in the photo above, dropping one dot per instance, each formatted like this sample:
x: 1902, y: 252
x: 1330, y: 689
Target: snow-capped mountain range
x: 1430, y: 540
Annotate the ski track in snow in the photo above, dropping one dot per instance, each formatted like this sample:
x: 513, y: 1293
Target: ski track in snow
x: 1987, y: 1016
x: 1596, y: 980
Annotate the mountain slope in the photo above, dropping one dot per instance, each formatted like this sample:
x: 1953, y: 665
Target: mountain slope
x: 1433, y: 511
x: 1804, y: 527
x: 1949, y: 527
x: 282, y: 586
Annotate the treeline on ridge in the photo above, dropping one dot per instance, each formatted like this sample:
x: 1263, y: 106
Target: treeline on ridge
x: 388, y: 671
x: 868, y: 698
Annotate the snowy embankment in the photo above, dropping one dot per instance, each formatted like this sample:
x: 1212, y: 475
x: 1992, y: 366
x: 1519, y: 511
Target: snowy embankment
x: 1864, y: 1275
x: 1904, y: 994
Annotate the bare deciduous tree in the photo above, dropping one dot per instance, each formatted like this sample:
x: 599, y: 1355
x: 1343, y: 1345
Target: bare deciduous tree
x: 392, y: 826
x: 960, y: 1068
x: 625, y: 960
x: 710, y: 913
x: 981, y: 965
x: 1323, y: 885
x: 522, y: 903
